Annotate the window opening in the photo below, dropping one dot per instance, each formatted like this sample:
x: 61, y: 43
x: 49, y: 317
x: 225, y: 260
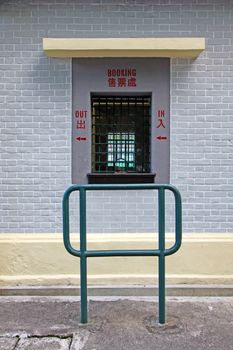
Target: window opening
x: 121, y: 134
x: 121, y: 150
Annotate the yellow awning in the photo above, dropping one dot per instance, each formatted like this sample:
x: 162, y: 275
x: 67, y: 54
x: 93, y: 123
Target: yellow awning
x: 123, y: 47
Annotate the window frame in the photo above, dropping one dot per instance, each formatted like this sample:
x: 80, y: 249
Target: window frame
x: 123, y: 176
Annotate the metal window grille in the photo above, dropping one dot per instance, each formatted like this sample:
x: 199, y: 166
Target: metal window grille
x: 121, y: 150
x: 121, y: 133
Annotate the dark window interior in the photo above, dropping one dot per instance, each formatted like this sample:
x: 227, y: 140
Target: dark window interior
x: 121, y: 134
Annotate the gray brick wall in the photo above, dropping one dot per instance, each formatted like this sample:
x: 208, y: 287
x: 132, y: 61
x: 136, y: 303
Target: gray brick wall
x: 35, y: 112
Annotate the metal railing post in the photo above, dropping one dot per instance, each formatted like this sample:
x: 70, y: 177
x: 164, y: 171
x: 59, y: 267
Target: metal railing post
x: 161, y: 267
x: 83, y: 258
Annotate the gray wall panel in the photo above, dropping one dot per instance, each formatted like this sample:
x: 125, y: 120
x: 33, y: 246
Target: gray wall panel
x: 153, y: 77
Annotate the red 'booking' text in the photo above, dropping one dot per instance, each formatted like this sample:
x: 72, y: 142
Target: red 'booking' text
x: 130, y: 72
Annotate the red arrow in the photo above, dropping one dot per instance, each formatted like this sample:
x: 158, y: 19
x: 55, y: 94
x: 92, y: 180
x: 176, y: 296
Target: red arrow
x: 81, y: 138
x: 161, y: 138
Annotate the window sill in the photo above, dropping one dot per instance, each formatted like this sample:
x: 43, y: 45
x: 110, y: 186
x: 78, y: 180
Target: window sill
x: 120, y: 178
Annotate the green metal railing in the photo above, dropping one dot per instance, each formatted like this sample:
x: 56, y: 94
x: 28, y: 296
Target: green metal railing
x: 83, y: 253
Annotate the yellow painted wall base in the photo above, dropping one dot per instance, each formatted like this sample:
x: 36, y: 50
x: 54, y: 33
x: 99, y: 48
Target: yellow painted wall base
x: 40, y: 259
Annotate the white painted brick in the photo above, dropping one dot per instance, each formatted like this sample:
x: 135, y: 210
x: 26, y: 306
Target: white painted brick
x: 35, y: 109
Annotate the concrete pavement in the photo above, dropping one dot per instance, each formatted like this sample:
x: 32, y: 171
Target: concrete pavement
x: 52, y: 323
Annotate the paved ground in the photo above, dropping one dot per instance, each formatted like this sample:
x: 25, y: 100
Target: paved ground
x: 50, y: 323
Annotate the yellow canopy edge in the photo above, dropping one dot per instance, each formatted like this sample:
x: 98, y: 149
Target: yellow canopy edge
x: 123, y: 47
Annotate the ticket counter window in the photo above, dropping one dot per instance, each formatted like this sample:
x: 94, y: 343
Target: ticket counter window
x: 120, y: 120
x: 121, y: 128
